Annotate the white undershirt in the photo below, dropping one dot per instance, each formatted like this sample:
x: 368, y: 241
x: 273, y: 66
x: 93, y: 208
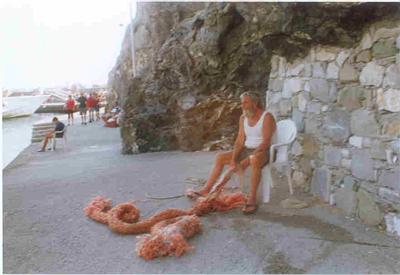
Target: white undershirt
x: 254, y: 135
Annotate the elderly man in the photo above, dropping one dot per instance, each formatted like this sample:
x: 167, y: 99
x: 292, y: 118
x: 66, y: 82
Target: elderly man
x: 58, y: 127
x: 256, y: 127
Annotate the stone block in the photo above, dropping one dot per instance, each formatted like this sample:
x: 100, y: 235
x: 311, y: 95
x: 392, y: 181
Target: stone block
x: 307, y: 86
x: 297, y: 149
x: 274, y: 98
x: 364, y: 56
x: 342, y: 56
x: 282, y: 67
x: 366, y: 142
x: 325, y: 108
x: 274, y: 66
x: 372, y: 74
x: 391, y: 125
x: 346, y: 200
x: 319, y: 89
x: 310, y: 146
x: 346, y: 163
x: 392, y: 221
x: 318, y: 70
x: 320, y: 183
x: 378, y: 150
x: 366, y: 41
x: 356, y: 141
x: 314, y: 107
x: 298, y: 119
x: 398, y: 42
x: 312, y: 125
x: 385, y: 33
x: 368, y: 211
x: 351, y: 97
x: 324, y: 55
x: 389, y: 195
x: 285, y: 107
x: 303, y: 99
x: 336, y: 126
x: 296, y: 69
x: 332, y: 72
x: 349, y: 183
x: 362, y: 165
x: 384, y: 48
x: 299, y: 179
x: 275, y: 85
x: 345, y: 153
x: 307, y: 70
x: 348, y: 74
x: 390, y: 179
x: 292, y: 86
x: 332, y: 156
x: 392, y: 77
x: 363, y: 123
x: 388, y: 100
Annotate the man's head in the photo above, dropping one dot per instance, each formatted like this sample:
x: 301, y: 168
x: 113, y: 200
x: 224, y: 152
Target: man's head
x: 55, y: 120
x: 70, y: 97
x: 250, y: 103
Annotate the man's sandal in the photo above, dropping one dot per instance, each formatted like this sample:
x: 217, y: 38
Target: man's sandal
x: 249, y: 209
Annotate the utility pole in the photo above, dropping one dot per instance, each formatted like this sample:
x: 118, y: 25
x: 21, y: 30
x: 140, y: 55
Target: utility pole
x: 132, y: 42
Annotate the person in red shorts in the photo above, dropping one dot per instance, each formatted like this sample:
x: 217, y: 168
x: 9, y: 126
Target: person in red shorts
x: 91, y: 104
x: 70, y: 108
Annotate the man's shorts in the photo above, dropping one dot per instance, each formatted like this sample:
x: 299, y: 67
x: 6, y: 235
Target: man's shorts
x: 69, y: 111
x: 82, y: 111
x: 246, y: 152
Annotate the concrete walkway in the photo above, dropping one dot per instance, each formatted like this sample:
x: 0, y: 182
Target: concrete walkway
x: 45, y: 230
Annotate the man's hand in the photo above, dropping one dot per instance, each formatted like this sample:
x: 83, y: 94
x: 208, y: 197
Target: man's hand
x: 233, y: 165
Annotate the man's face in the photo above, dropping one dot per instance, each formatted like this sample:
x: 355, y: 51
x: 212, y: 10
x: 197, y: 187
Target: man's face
x: 248, y: 106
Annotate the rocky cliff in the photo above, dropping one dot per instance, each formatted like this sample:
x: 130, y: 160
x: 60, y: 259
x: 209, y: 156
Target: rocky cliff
x: 194, y: 59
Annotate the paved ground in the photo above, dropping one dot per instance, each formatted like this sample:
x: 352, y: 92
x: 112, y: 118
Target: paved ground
x: 45, y: 230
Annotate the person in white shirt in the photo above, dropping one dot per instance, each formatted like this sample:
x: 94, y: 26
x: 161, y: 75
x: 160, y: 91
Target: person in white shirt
x: 256, y: 128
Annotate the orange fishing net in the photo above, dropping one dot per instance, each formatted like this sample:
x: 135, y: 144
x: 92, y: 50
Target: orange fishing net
x: 168, y: 228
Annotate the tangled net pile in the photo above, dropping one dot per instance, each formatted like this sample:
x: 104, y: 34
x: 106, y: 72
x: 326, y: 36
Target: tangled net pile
x: 168, y: 229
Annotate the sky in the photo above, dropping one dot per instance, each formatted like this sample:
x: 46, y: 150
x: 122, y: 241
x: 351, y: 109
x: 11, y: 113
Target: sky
x: 49, y: 43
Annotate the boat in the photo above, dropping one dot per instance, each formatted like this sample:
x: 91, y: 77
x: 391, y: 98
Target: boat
x: 20, y: 106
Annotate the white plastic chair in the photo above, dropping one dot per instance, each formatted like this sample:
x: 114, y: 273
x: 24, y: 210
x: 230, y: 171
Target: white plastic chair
x: 63, y: 138
x: 284, y: 135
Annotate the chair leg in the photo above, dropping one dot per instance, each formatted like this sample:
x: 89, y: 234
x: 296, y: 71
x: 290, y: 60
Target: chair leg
x: 289, y: 178
x: 266, y: 182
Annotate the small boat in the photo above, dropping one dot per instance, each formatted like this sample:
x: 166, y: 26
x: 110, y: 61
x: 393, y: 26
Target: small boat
x: 19, y: 106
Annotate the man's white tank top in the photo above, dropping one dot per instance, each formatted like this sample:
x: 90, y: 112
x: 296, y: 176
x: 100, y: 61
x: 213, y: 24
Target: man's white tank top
x: 253, y: 134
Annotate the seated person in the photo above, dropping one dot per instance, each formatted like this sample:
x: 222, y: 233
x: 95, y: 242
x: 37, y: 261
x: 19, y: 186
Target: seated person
x: 256, y: 128
x: 58, y: 126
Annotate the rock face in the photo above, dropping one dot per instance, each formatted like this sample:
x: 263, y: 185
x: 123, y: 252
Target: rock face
x: 186, y: 52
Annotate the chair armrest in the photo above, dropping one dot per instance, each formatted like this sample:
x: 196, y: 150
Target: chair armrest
x: 272, y: 150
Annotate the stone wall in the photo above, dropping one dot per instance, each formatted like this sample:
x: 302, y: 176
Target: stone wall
x: 346, y: 105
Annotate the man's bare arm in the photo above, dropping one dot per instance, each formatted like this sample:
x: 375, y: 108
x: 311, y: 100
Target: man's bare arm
x: 268, y: 131
x: 239, y: 143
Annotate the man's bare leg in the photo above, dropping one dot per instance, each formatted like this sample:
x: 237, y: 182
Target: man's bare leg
x: 46, y: 140
x: 257, y: 162
x: 221, y: 160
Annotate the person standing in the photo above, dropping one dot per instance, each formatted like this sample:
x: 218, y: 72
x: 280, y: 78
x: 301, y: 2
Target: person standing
x: 97, y: 106
x: 70, y: 108
x: 91, y: 104
x: 82, y: 108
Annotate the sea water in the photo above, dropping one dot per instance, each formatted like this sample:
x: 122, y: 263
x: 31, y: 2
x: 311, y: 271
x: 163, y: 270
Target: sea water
x: 17, y: 134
